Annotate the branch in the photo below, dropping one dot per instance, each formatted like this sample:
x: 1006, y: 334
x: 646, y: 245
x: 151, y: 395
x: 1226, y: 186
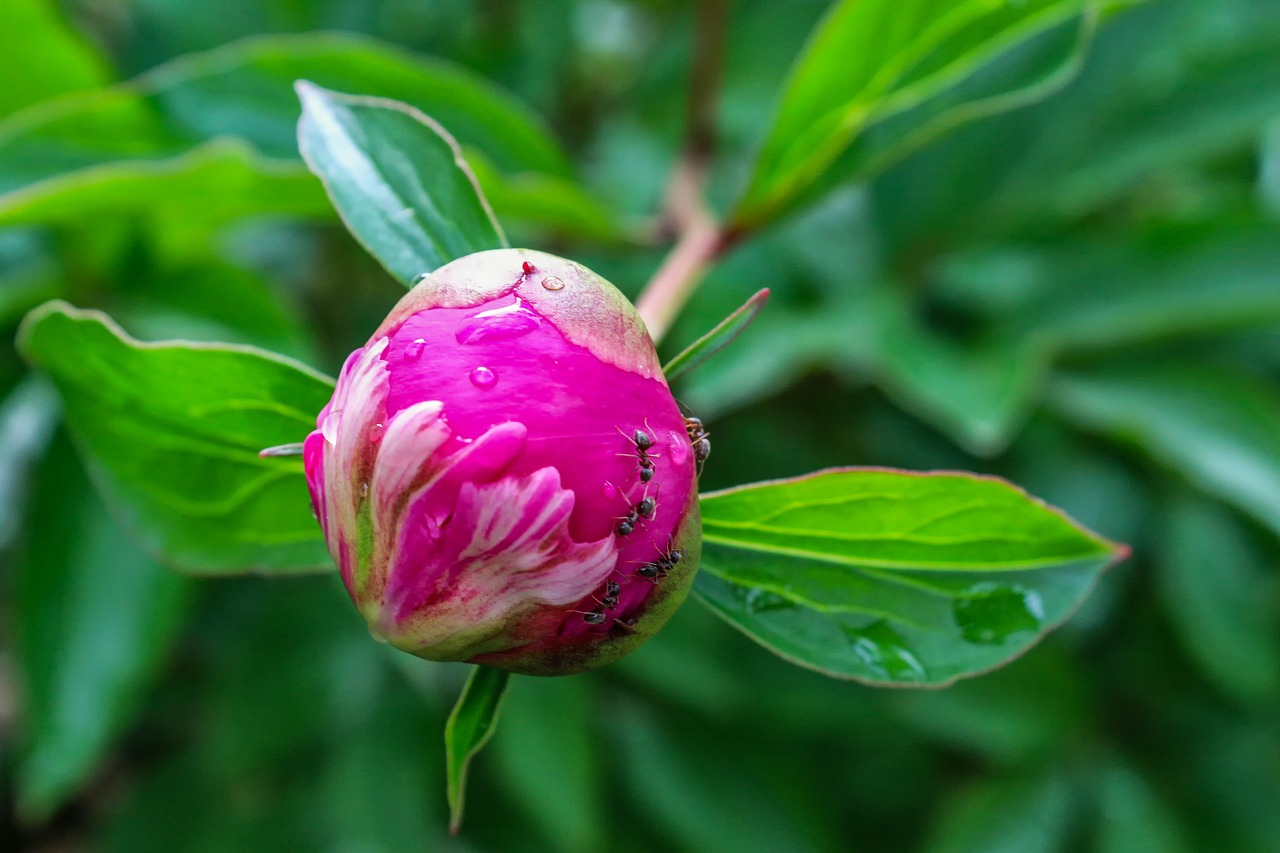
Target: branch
x: 685, y: 212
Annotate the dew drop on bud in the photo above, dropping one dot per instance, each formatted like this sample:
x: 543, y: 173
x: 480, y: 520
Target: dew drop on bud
x: 678, y: 447
x: 329, y: 428
x: 498, y: 324
x: 419, y: 278
x: 413, y: 351
x: 609, y: 490
x: 552, y: 283
x: 483, y: 377
x: 528, y: 268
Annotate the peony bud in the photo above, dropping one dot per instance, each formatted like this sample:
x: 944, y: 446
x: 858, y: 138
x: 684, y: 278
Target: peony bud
x: 503, y: 476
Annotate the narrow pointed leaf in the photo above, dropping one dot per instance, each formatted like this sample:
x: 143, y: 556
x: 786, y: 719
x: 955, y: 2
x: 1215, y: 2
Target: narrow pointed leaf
x: 892, y: 577
x: 397, y: 179
x: 716, y: 339
x: 872, y: 62
x: 171, y: 433
x: 469, y: 728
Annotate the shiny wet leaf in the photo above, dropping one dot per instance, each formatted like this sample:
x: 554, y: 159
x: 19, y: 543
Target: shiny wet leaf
x: 891, y: 577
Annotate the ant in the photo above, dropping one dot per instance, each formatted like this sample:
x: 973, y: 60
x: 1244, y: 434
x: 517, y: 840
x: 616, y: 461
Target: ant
x: 662, y: 566
x: 700, y: 439
x: 612, y: 591
x: 644, y: 510
x: 593, y: 617
x: 642, y: 441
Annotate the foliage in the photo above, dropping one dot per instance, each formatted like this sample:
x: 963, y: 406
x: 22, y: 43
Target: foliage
x: 1035, y: 241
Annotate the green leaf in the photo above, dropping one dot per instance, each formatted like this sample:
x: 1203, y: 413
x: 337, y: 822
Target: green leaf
x: 97, y: 618
x: 688, y: 776
x: 550, y: 759
x: 1011, y: 815
x: 1218, y: 427
x: 892, y: 577
x: 236, y: 106
x: 171, y: 432
x: 550, y: 203
x: 398, y: 180
x: 247, y: 88
x: 469, y: 728
x: 1214, y: 585
x: 976, y: 393
x: 1085, y: 296
x: 191, y: 193
x: 870, y: 61
x: 28, y: 417
x: 717, y: 339
x: 1112, y: 130
x: 1134, y: 816
x: 40, y: 56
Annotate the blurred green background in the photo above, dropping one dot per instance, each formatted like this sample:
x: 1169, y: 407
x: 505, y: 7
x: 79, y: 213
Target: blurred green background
x: 1082, y: 295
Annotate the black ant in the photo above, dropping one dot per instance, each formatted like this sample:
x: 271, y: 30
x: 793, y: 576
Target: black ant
x: 611, y: 592
x: 592, y: 617
x: 628, y: 523
x: 662, y: 566
x: 699, y: 438
x: 643, y: 510
x: 642, y: 441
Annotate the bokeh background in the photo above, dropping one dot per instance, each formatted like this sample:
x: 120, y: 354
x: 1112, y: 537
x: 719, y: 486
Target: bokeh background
x: 1082, y: 295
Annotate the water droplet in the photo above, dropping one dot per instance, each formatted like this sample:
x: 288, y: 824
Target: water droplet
x: 413, y: 350
x: 329, y: 429
x: 610, y: 491
x: 552, y: 283
x: 678, y: 447
x: 990, y: 613
x: 483, y: 377
x: 419, y: 278
x: 498, y: 324
x: 528, y: 268
x: 883, y: 652
x: 756, y: 600
x: 364, y: 490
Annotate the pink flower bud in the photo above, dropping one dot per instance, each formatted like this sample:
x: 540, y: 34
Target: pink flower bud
x: 503, y: 476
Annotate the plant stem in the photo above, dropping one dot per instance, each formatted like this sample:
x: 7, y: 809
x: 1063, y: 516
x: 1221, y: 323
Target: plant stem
x: 685, y: 212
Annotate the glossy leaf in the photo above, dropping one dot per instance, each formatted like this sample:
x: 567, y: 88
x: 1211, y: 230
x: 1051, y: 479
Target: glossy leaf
x: 872, y: 60
x: 717, y: 339
x: 172, y: 432
x: 469, y: 728
x: 398, y: 180
x: 98, y: 617
x: 1217, y: 427
x: 890, y: 577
